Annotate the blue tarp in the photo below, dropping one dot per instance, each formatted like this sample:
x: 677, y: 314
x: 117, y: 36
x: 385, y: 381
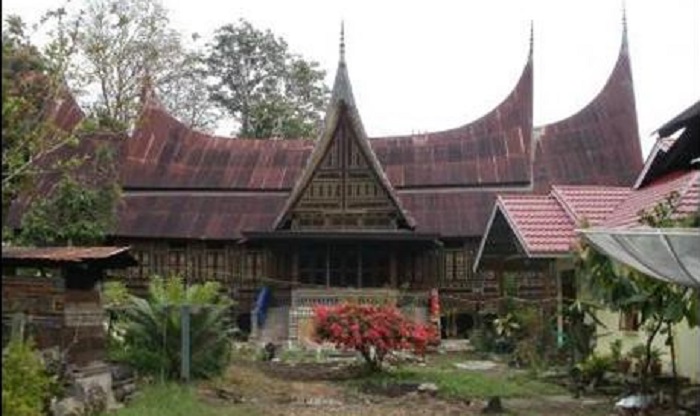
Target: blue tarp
x: 261, y: 305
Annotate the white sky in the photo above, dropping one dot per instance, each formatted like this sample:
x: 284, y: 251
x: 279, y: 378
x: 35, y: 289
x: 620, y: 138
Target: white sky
x: 430, y: 65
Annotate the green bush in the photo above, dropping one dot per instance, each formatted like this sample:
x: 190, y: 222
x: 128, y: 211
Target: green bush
x: 114, y: 294
x: 148, y: 335
x: 594, y: 367
x: 26, y: 386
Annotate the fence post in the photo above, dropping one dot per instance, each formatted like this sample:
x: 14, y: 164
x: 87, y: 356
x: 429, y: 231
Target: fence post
x: 185, y: 342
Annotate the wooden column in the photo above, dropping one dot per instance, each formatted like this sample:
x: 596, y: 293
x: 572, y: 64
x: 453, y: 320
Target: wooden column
x: 295, y: 264
x: 328, y: 265
x: 359, y: 266
x: 393, y: 278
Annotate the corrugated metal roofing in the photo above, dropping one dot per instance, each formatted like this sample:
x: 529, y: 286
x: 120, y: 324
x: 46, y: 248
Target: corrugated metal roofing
x: 62, y: 254
x: 196, y: 215
x: 216, y: 188
x: 598, y: 145
x: 494, y: 149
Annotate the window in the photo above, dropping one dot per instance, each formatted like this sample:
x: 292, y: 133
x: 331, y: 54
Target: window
x: 629, y: 321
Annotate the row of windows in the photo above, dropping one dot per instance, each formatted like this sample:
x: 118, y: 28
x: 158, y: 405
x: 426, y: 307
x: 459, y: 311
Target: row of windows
x: 199, y: 264
x: 332, y: 190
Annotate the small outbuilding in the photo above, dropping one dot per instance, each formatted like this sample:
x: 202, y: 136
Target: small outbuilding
x: 51, y: 294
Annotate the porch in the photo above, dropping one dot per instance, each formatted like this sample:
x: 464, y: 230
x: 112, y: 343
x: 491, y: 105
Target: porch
x: 294, y: 321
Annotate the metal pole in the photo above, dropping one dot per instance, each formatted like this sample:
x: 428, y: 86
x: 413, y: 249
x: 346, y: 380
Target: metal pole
x: 185, y: 342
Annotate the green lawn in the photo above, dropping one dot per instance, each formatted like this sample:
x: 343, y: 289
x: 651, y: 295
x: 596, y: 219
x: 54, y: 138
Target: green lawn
x: 176, y: 400
x: 455, y: 383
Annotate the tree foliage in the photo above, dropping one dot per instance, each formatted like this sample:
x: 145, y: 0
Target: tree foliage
x: 80, y: 211
x: 124, y: 42
x: 373, y: 331
x: 270, y: 91
x: 32, y: 86
x: 26, y: 385
x: 660, y: 305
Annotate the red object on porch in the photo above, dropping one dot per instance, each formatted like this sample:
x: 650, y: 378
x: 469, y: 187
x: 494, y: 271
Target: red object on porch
x: 434, y: 306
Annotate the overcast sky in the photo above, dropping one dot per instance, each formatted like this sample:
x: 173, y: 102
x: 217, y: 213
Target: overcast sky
x: 419, y: 66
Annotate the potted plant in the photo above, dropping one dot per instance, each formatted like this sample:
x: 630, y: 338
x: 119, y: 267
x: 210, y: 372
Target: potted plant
x: 622, y: 363
x: 637, y: 355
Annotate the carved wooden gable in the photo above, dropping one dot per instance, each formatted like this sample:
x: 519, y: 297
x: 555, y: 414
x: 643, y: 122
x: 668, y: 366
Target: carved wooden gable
x: 344, y: 191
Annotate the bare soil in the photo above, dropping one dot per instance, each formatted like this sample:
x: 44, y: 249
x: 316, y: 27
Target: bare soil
x: 314, y: 389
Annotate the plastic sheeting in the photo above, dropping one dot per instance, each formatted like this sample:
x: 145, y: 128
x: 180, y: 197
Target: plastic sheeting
x: 670, y: 254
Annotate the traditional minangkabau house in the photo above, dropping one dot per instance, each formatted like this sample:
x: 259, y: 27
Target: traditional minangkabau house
x: 348, y: 211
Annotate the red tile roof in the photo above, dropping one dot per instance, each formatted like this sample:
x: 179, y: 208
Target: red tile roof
x: 687, y: 184
x: 542, y: 225
x: 591, y: 204
x: 545, y: 224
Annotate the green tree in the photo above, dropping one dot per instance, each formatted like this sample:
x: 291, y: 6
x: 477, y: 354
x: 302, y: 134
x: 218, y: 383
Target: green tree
x: 660, y: 305
x: 123, y: 42
x: 80, y: 211
x: 184, y: 91
x: 268, y: 90
x: 32, y: 86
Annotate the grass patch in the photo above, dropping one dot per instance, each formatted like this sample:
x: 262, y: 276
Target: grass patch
x: 175, y: 400
x: 455, y: 383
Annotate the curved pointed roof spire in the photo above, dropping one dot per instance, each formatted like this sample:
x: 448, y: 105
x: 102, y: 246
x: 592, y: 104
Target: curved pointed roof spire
x: 342, y: 41
x: 532, y: 38
x: 624, y: 26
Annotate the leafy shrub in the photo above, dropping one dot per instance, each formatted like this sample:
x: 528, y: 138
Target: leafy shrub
x: 594, y: 367
x: 26, y: 386
x: 483, y: 339
x: 616, y: 350
x: 150, y: 332
x: 372, y: 330
x: 114, y: 294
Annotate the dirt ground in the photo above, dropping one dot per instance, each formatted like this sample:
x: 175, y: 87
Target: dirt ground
x: 314, y: 389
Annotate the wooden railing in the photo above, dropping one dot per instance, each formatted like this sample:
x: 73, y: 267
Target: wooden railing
x: 303, y: 301
x: 333, y: 296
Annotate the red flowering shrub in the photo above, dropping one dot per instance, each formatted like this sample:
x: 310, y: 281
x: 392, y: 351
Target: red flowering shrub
x: 372, y: 330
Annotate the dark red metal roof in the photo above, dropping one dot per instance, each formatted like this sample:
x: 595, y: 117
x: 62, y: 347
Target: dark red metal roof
x: 163, y: 153
x: 451, y: 213
x: 88, y: 146
x: 494, y: 149
x: 196, y: 215
x: 179, y: 183
x: 598, y: 145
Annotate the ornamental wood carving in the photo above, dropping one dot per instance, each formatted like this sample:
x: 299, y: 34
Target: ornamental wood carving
x: 344, y: 192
